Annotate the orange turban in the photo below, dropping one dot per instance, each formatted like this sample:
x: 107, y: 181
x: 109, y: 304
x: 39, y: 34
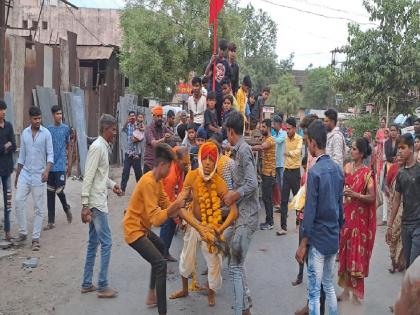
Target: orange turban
x: 157, y: 110
x: 209, y: 149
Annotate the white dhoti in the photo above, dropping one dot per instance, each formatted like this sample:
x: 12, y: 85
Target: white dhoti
x: 189, y: 256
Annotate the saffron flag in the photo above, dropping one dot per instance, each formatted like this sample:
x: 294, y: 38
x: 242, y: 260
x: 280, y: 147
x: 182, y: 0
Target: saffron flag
x: 215, y: 7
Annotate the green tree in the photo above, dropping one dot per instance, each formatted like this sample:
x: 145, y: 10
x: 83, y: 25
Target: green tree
x: 362, y: 123
x: 257, y: 56
x: 383, y: 61
x: 285, y: 96
x: 164, y: 40
x: 317, y: 91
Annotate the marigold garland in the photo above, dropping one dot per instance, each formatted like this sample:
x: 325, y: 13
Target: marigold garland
x: 210, y: 206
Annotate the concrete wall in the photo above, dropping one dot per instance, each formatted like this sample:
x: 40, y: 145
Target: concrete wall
x: 102, y: 23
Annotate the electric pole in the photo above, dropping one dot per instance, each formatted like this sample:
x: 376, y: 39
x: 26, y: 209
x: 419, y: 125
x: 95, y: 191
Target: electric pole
x: 2, y: 44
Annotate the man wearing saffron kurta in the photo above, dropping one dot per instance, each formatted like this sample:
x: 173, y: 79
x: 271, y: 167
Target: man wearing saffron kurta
x: 208, y: 190
x: 172, y: 185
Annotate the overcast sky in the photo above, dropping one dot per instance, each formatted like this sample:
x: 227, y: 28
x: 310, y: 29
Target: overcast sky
x: 310, y: 37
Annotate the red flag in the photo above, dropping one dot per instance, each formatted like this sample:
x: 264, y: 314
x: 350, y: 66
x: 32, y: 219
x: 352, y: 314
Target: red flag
x: 215, y: 7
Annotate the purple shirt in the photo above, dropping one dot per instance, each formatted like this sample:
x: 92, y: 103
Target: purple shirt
x: 152, y: 133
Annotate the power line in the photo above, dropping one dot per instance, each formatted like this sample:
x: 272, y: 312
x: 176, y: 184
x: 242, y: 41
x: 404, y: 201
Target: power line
x: 333, y: 9
x: 316, y: 14
x: 313, y: 53
x: 84, y: 26
x: 311, y: 33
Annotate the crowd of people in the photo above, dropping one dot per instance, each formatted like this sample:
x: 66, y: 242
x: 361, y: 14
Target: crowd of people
x: 196, y: 172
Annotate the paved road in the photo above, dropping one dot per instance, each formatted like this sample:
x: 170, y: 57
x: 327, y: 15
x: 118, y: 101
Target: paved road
x: 53, y: 288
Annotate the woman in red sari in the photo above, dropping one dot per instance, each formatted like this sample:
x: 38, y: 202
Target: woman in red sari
x: 358, y: 233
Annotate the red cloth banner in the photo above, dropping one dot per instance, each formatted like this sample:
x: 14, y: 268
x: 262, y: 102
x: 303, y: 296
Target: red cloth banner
x: 215, y: 7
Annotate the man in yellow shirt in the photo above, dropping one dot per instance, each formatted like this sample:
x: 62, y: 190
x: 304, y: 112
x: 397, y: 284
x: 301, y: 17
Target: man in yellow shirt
x: 291, y: 174
x: 268, y: 149
x: 149, y: 206
x: 242, y: 95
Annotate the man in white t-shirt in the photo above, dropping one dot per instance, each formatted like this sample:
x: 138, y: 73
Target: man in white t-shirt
x: 197, y: 103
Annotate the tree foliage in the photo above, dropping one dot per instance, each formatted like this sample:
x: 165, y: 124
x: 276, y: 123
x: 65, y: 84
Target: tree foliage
x: 164, y: 40
x: 257, y: 56
x: 362, y: 123
x: 318, y: 90
x: 385, y: 60
x: 285, y: 96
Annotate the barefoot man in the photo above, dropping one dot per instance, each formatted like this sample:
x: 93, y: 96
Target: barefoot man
x: 208, y: 190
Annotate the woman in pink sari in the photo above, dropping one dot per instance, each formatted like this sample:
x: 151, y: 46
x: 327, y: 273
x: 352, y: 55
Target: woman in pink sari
x: 358, y: 233
x: 381, y: 137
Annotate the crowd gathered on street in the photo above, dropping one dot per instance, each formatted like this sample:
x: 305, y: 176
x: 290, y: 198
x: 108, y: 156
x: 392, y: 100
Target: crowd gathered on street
x: 202, y: 172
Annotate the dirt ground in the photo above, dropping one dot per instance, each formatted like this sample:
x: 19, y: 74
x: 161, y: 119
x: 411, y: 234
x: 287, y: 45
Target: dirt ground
x: 54, y: 286
x: 61, y: 258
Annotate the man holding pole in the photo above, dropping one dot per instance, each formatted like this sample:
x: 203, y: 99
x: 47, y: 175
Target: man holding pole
x: 217, y: 69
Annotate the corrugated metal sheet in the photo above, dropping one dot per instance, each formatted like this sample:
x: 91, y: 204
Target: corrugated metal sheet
x: 94, y: 52
x: 48, y: 67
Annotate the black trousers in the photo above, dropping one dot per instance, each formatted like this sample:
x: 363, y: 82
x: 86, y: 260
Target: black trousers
x: 129, y: 163
x: 291, y: 182
x: 151, y: 248
x: 55, y: 185
x: 267, y: 197
x: 410, y: 236
x: 146, y: 169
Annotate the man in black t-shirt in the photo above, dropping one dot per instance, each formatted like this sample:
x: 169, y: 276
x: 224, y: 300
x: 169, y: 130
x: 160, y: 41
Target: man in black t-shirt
x: 222, y: 70
x: 408, y: 187
x: 234, y: 68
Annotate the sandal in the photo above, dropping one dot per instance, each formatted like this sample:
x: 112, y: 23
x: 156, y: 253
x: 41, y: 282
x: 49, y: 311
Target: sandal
x: 36, y: 246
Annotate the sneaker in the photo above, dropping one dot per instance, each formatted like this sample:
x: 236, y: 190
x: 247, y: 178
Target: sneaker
x: 36, y: 246
x: 21, y: 238
x: 266, y: 226
x: 49, y: 226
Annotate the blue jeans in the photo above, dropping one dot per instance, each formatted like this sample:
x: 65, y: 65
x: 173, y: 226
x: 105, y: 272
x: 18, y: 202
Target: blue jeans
x: 6, y: 182
x: 279, y: 176
x: 130, y: 162
x: 239, y: 239
x: 167, y: 232
x: 99, y: 233
x: 321, y: 270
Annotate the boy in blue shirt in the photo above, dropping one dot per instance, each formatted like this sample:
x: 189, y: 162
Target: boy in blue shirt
x: 322, y: 221
x: 60, y: 134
